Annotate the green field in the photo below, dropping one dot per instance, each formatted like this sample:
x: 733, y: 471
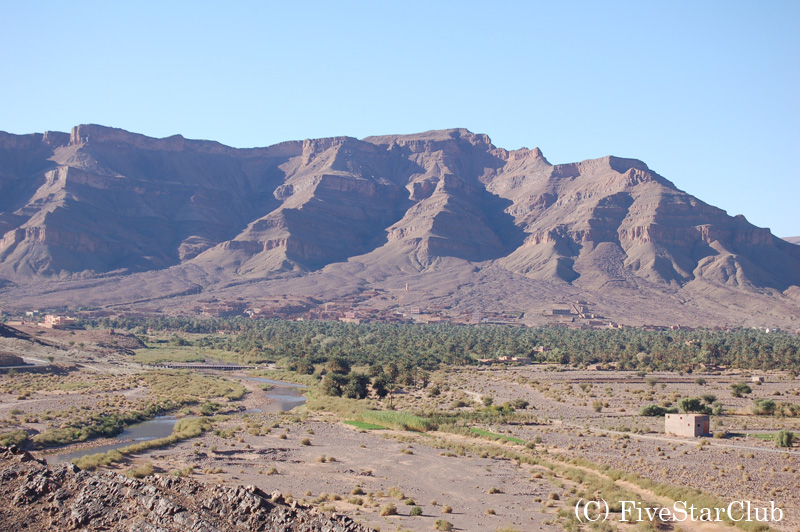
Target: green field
x: 397, y: 420
x: 487, y: 434
x: 364, y: 425
x: 750, y: 435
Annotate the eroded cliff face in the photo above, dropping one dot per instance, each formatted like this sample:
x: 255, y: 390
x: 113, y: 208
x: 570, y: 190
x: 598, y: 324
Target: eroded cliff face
x: 39, y: 498
x: 614, y: 219
x: 102, y: 200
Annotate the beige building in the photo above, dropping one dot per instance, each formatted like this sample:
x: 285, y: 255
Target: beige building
x: 51, y: 321
x: 691, y: 425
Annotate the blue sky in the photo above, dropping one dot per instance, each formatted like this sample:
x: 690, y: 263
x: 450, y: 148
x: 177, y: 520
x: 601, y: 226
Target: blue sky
x: 706, y: 93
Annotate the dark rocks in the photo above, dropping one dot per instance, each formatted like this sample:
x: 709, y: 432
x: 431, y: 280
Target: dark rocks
x: 65, y: 498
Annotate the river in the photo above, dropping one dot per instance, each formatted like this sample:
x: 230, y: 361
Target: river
x: 283, y: 397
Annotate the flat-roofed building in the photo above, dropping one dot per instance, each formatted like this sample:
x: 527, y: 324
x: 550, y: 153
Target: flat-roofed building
x: 691, y: 425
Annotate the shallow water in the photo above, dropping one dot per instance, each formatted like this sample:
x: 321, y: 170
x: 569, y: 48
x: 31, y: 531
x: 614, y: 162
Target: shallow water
x: 159, y: 427
x: 283, y: 397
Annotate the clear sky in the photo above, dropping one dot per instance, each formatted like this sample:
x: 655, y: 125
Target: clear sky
x: 706, y: 93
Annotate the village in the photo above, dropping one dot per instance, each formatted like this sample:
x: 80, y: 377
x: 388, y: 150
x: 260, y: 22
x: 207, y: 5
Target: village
x: 354, y: 309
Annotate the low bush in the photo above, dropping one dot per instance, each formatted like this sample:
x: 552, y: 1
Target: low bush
x: 656, y: 411
x: 15, y: 437
x: 764, y: 407
x: 784, y: 439
x: 389, y: 509
x: 144, y: 470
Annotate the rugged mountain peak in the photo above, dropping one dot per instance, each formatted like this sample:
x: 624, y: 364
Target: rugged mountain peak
x: 93, y: 134
x: 10, y: 141
x: 55, y: 138
x: 522, y: 154
x: 622, y: 165
x: 431, y: 140
x: 316, y: 146
x: 107, y: 201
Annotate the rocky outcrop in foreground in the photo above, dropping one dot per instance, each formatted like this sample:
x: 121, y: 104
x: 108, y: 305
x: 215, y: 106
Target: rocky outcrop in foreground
x: 37, y: 497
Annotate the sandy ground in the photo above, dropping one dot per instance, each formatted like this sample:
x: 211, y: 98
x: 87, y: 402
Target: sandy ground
x: 375, y: 464
x: 562, y: 419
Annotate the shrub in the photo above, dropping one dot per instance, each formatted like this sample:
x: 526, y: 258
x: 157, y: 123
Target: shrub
x: 15, y: 437
x: 740, y: 389
x: 520, y: 404
x: 185, y: 472
x: 389, y: 509
x: 441, y: 524
x: 447, y: 509
x: 784, y: 438
x: 708, y: 398
x: 416, y: 511
x: 144, y: 470
x: 305, y: 441
x: 691, y: 404
x: 764, y: 407
x: 209, y: 408
x: 396, y: 493
x: 655, y: 411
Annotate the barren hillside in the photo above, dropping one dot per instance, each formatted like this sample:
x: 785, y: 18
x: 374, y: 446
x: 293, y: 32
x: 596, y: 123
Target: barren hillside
x: 102, y: 216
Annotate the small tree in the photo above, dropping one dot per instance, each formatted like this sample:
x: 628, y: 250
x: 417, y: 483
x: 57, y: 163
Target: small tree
x: 784, y: 439
x: 338, y: 365
x: 764, y: 407
x: 691, y: 404
x: 332, y: 384
x: 655, y: 411
x: 708, y: 398
x: 356, y: 387
x: 740, y: 389
x: 379, y: 386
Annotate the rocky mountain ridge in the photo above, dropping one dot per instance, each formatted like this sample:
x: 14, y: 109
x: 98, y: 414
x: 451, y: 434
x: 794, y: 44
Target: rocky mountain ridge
x: 101, y: 202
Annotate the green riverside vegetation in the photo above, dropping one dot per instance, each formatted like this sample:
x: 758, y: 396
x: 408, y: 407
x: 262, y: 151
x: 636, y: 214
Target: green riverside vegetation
x: 427, y: 347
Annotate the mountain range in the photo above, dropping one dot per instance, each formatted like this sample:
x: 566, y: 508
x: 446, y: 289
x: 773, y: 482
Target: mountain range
x: 101, y: 216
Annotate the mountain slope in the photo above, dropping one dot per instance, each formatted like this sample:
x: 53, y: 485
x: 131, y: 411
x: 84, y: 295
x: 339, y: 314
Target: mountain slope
x: 185, y: 215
